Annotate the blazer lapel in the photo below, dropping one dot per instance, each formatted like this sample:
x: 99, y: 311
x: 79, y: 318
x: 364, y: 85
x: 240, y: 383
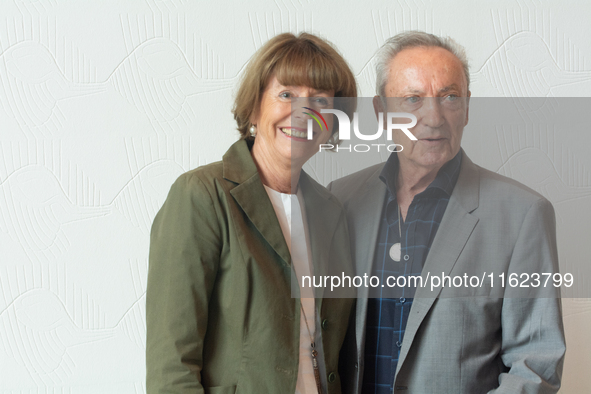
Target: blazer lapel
x: 365, y: 212
x: 456, y: 227
x: 250, y: 194
x: 322, y: 218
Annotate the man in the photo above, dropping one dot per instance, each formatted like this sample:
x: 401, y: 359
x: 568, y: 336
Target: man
x: 430, y: 211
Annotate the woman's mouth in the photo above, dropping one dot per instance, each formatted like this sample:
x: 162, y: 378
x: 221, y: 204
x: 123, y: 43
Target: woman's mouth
x: 288, y: 131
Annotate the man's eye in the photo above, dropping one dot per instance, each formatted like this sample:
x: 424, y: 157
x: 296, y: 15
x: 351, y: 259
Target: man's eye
x: 413, y: 99
x: 451, y: 97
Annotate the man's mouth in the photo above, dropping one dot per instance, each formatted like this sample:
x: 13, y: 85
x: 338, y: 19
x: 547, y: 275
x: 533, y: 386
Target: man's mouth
x: 288, y: 131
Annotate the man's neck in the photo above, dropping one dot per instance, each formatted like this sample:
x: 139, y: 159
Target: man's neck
x: 410, y: 182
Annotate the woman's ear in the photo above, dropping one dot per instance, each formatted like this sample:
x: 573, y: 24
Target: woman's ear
x: 254, y: 117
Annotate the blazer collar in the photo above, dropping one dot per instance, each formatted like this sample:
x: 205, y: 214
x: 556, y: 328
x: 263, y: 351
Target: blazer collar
x: 249, y: 193
x: 467, y: 189
x: 237, y: 162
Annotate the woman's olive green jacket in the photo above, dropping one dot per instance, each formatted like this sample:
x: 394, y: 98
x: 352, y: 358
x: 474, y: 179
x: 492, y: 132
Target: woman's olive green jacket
x: 220, y: 314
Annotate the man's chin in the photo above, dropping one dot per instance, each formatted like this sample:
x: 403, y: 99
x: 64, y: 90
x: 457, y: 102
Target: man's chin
x: 435, y: 159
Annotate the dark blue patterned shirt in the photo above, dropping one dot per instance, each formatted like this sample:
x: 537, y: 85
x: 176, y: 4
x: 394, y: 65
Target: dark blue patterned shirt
x: 387, y: 317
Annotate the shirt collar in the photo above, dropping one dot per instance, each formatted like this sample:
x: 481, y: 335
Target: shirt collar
x: 445, y: 180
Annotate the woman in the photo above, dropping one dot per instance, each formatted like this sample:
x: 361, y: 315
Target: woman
x: 220, y: 314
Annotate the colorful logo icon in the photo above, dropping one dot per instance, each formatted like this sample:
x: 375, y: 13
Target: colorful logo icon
x: 315, y: 115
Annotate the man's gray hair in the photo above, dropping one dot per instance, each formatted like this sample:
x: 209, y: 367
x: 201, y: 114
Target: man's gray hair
x: 412, y: 39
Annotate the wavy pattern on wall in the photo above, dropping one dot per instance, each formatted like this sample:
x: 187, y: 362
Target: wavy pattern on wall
x: 101, y: 110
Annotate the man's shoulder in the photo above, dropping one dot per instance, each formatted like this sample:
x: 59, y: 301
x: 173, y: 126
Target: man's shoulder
x: 502, y: 186
x: 346, y: 187
x: 311, y: 186
x: 502, y: 194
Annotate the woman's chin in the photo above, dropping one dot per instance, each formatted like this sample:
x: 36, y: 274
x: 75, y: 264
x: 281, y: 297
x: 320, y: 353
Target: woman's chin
x: 299, y: 151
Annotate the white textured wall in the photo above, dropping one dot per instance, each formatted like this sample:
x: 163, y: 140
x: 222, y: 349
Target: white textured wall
x: 104, y: 103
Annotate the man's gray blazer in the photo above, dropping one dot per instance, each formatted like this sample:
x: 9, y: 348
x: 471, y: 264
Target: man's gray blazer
x: 481, y: 343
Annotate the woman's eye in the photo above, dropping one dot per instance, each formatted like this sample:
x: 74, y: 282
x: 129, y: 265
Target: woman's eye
x: 322, y: 100
x: 285, y: 95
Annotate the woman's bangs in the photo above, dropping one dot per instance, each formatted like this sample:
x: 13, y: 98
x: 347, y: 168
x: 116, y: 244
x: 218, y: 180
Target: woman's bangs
x: 307, y: 69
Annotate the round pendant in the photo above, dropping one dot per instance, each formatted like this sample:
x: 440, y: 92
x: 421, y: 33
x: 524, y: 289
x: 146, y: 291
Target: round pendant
x: 395, y: 252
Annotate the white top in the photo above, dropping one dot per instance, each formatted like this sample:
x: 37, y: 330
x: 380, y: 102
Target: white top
x: 288, y: 208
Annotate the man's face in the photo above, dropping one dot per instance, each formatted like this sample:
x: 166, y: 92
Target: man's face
x: 428, y: 82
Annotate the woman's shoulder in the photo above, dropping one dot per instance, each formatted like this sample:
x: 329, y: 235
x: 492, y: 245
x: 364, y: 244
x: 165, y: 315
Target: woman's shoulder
x: 205, y: 173
x: 199, y: 180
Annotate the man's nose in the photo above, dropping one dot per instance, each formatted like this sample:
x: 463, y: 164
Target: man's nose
x: 432, y: 112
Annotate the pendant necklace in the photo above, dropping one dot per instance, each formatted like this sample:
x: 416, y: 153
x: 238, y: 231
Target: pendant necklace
x: 314, y: 352
x: 395, y: 250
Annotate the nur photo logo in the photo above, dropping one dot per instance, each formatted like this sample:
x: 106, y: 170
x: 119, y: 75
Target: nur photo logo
x: 391, y: 119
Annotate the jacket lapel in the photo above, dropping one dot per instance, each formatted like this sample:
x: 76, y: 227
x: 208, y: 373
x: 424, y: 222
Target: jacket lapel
x: 365, y: 212
x: 250, y: 194
x: 322, y: 218
x: 456, y: 227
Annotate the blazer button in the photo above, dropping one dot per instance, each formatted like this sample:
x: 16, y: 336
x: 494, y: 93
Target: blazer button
x: 332, y: 377
x: 324, y: 324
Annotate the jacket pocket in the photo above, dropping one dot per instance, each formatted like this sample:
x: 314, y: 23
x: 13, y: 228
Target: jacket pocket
x: 220, y: 390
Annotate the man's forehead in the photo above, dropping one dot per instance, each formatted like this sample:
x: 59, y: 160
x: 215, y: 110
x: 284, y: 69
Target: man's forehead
x: 421, y: 70
x: 446, y: 89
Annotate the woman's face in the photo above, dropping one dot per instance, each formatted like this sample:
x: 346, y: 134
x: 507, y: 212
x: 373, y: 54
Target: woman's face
x: 282, y: 128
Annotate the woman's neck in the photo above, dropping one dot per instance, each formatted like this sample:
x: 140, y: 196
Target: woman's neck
x: 277, y: 173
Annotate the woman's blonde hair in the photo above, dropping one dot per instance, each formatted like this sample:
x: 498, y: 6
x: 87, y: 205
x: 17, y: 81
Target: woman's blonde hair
x: 305, y: 60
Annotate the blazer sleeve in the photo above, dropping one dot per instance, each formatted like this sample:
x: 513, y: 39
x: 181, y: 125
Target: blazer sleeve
x: 533, y: 344
x: 185, y: 247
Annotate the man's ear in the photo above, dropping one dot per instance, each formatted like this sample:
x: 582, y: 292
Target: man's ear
x: 378, y: 106
x: 468, y: 107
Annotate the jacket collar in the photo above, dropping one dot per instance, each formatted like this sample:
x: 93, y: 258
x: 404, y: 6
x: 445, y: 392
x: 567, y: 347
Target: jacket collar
x: 249, y: 192
x: 238, y: 166
x: 467, y: 189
